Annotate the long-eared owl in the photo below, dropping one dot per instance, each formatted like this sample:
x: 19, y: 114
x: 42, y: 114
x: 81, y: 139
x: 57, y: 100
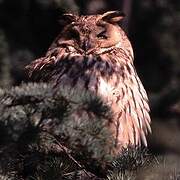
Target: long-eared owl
x: 93, y: 52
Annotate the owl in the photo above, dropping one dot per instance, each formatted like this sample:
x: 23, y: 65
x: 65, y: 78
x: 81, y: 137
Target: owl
x: 93, y: 53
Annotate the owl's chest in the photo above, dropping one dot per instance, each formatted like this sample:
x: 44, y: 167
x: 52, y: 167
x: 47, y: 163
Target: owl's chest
x: 99, y: 77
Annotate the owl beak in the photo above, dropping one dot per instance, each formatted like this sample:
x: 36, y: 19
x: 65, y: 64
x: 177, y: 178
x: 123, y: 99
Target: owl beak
x: 86, y: 45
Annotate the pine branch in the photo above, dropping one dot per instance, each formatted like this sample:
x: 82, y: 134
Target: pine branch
x: 60, y: 133
x: 38, y: 119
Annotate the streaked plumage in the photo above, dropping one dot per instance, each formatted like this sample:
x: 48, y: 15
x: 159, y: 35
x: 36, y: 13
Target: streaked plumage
x: 93, y: 53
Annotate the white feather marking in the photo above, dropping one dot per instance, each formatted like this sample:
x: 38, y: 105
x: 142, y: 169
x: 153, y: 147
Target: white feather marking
x: 143, y: 137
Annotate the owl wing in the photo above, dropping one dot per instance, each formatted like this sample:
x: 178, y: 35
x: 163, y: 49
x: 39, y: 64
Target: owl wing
x: 133, y: 120
x: 127, y: 98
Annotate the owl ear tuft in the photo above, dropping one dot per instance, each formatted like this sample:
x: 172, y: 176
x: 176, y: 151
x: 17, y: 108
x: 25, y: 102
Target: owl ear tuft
x: 113, y: 16
x: 67, y: 19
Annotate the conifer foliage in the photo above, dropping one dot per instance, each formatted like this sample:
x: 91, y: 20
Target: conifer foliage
x: 48, y: 133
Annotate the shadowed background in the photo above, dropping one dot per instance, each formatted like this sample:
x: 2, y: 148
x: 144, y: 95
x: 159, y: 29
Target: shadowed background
x: 27, y: 28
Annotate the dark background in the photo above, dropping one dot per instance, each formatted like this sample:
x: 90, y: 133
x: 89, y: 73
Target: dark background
x: 27, y: 28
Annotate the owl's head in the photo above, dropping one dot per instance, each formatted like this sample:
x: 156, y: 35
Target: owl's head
x: 93, y: 33
x: 84, y: 37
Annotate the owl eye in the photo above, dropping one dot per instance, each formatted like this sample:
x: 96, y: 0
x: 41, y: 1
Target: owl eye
x: 73, y: 34
x: 102, y: 35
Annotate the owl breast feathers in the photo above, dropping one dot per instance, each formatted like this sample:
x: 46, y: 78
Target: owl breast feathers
x: 93, y: 52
